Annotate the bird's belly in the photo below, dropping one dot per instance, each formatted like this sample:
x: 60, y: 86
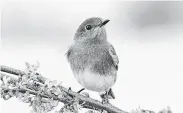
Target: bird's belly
x: 95, y: 82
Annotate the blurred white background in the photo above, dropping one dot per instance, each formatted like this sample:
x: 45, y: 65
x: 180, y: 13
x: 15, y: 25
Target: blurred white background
x: 147, y: 36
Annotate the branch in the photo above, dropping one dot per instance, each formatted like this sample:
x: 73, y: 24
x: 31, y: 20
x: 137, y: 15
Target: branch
x: 19, y: 72
x: 88, y: 102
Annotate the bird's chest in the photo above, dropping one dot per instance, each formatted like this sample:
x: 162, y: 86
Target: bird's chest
x: 88, y: 56
x: 90, y: 53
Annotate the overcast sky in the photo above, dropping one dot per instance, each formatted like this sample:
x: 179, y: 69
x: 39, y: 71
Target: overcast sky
x: 147, y: 36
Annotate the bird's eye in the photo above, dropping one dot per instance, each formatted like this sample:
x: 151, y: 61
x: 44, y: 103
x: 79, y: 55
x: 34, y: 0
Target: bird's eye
x: 88, y: 27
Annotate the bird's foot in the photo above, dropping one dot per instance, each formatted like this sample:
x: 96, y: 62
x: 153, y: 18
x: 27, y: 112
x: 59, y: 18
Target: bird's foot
x: 103, y: 111
x: 81, y: 90
x: 105, y: 101
x: 105, y: 98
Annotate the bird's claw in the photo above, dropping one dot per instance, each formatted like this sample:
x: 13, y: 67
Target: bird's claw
x: 105, y: 98
x: 105, y: 101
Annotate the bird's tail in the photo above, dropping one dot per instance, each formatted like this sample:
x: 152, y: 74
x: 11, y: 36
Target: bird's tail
x: 111, y: 94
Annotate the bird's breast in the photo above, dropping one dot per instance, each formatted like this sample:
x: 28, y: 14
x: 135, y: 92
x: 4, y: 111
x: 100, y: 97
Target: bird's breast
x: 96, y: 57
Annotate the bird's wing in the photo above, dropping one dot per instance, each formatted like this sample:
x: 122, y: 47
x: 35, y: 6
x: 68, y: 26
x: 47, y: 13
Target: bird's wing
x: 69, y: 53
x: 114, y: 56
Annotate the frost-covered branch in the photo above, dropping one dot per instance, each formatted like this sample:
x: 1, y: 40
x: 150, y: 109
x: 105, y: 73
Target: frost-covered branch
x: 19, y: 72
x: 43, y: 95
x: 60, y: 93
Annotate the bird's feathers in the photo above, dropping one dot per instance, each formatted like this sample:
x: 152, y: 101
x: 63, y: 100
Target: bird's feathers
x: 114, y: 56
x: 92, y: 58
x: 101, y: 58
x: 95, y: 82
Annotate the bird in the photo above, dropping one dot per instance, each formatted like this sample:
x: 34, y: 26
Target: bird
x: 93, y: 59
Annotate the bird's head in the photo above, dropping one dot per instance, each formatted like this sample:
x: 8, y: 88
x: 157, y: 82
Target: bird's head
x: 91, y: 28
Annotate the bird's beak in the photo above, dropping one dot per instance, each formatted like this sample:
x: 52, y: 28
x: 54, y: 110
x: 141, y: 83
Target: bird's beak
x: 104, y: 23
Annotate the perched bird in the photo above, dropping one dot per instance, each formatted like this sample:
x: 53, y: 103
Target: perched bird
x: 93, y: 59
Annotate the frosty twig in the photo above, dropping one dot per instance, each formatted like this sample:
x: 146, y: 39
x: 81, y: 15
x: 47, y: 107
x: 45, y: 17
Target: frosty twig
x: 53, y: 92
